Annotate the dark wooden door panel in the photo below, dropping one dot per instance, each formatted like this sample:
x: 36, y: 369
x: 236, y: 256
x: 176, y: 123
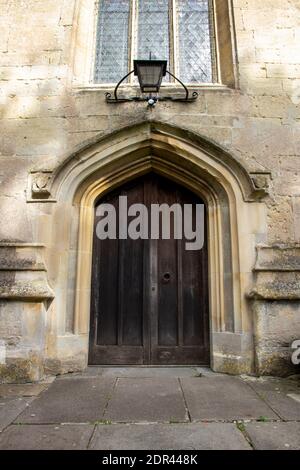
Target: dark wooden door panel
x: 180, y: 355
x: 106, y: 299
x: 131, y: 281
x: 149, y: 297
x: 117, y: 294
x: 167, y: 277
x: 167, y: 314
x: 116, y: 355
x: 182, y: 323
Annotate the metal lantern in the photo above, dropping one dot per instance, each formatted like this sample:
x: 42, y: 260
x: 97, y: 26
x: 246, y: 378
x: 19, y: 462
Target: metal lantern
x: 150, y: 74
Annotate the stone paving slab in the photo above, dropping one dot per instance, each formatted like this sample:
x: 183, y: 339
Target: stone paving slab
x: 202, y: 436
x: 70, y: 401
x: 10, y: 408
x: 147, y: 409
x: 275, y: 392
x: 46, y: 437
x: 147, y: 399
x: 223, y: 398
x: 274, y: 436
x: 22, y: 390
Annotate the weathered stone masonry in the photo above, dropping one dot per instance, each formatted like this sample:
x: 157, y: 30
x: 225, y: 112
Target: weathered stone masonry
x: 59, y: 139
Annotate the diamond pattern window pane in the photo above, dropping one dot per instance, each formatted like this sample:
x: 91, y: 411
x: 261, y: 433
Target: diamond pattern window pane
x: 153, y: 29
x: 194, y: 37
x: 112, y: 41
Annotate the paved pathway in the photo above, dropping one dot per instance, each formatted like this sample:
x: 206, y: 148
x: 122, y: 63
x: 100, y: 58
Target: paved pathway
x: 152, y: 409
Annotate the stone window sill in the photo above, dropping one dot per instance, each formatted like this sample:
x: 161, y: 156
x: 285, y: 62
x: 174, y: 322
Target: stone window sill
x: 164, y: 88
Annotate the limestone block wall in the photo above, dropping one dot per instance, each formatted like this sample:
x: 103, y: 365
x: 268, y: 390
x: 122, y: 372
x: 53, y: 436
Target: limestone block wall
x: 49, y: 108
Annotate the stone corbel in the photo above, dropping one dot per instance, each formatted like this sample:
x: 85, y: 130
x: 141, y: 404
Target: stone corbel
x: 39, y: 186
x: 261, y: 182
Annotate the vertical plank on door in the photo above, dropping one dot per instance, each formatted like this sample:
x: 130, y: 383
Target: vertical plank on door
x: 131, y: 282
x: 167, y: 274
x: 106, y: 256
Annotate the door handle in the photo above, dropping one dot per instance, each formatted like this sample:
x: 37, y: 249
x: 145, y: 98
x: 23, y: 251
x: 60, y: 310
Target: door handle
x: 166, y: 278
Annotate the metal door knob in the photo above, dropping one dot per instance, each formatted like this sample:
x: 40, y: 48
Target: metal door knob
x: 166, y: 277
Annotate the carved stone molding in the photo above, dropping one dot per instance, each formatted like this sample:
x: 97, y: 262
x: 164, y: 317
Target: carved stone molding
x: 261, y: 183
x: 279, y: 257
x: 39, y: 186
x: 277, y: 273
x: 23, y: 273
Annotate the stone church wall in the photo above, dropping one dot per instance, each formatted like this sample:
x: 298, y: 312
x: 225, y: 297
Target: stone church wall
x: 46, y: 116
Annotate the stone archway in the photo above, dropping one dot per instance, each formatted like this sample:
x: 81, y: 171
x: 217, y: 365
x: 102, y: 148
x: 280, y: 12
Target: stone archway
x: 235, y: 219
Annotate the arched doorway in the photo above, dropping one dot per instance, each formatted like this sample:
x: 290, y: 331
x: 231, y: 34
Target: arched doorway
x: 149, y: 297
x: 236, y: 220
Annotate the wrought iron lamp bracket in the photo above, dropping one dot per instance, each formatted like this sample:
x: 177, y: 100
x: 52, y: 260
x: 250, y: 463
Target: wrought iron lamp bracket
x: 115, y: 98
x: 187, y: 98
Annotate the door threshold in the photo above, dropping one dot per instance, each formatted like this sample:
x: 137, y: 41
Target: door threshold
x: 143, y: 366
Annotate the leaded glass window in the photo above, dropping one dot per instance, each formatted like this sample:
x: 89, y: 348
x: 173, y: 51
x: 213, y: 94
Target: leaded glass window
x: 180, y: 31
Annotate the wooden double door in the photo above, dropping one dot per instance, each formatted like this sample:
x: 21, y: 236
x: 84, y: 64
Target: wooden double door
x: 149, y: 298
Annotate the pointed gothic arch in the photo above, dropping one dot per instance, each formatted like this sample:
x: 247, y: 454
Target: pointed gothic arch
x: 190, y: 160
